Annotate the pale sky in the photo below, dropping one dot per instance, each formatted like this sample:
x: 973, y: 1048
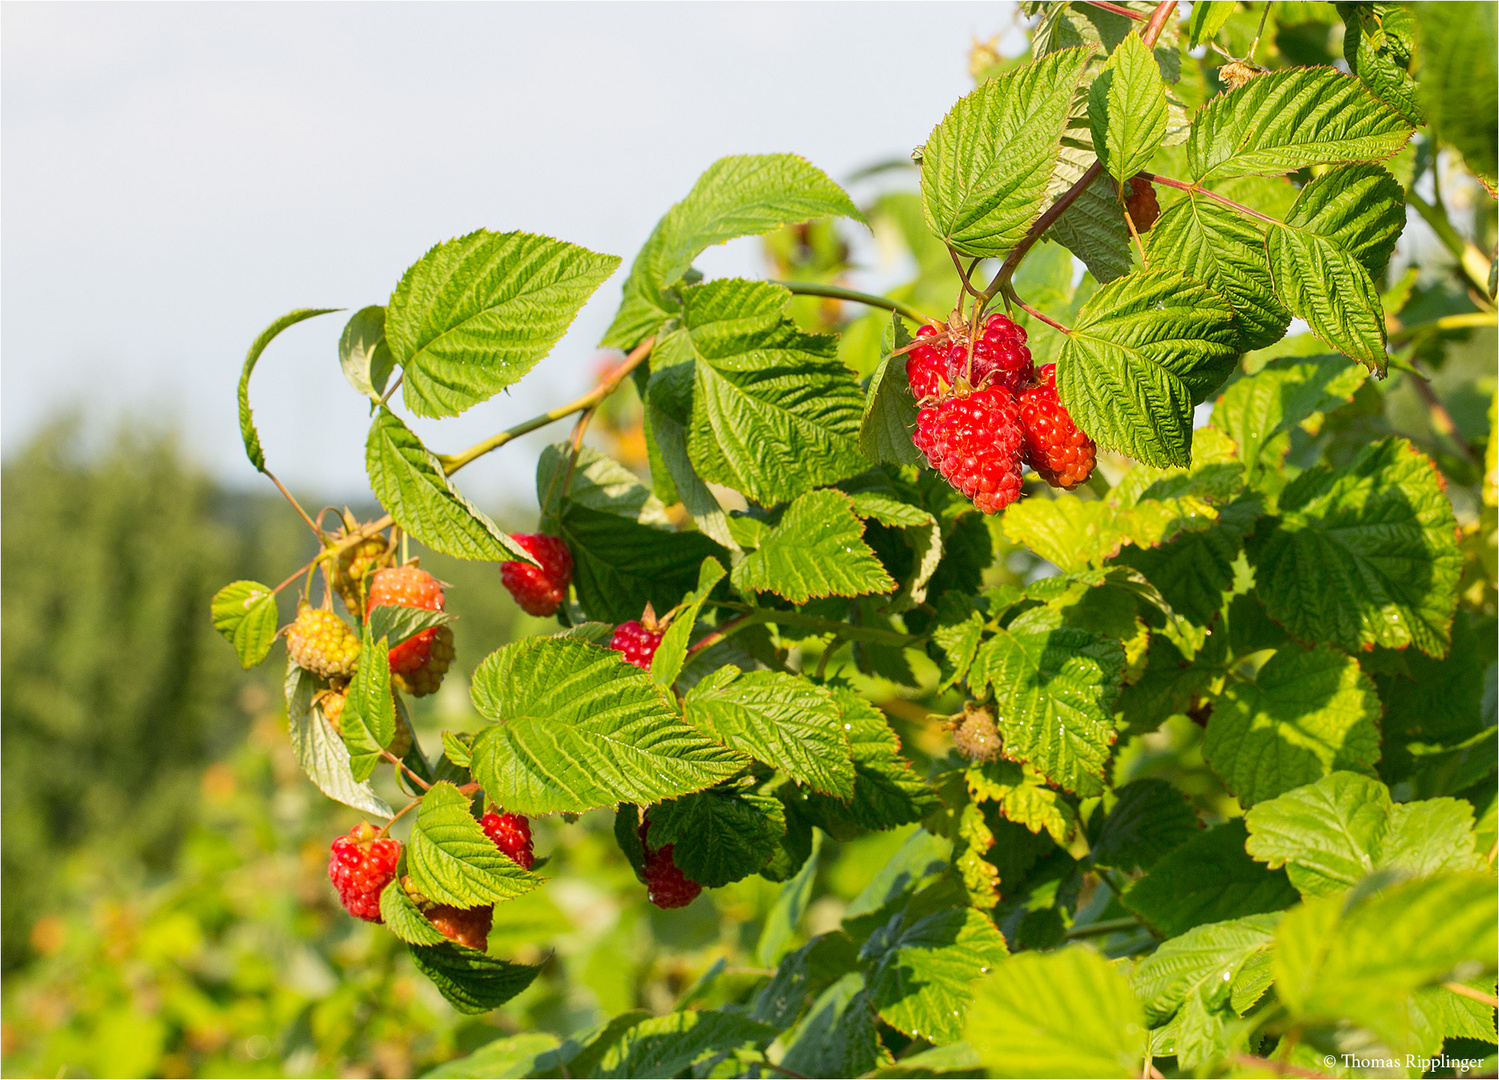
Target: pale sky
x: 175, y: 176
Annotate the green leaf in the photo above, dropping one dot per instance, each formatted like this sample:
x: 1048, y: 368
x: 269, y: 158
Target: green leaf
x: 1286, y: 120
x: 1306, y: 713
x: 887, y: 790
x: 1332, y: 834
x: 1206, y: 240
x: 1208, y: 17
x: 1362, y: 556
x: 1150, y: 819
x: 838, y: 1036
x: 1378, y: 45
x: 1278, y: 397
x: 672, y: 471
x: 474, y: 314
x: 245, y: 613
x: 1054, y: 691
x: 747, y: 195
x: 1320, y: 282
x: 1195, y: 569
x: 984, y: 167
x: 919, y: 862
x: 452, y: 861
x: 246, y: 421
x: 456, y: 749
x: 472, y: 982
x: 889, y: 409
x: 674, y: 1043
x: 363, y: 353
x: 784, y: 720
x: 599, y: 483
x: 404, y: 919
x: 1066, y: 1013
x: 368, y: 721
x: 320, y: 751
x: 1205, y: 959
x: 1360, y: 208
x: 516, y: 1055
x: 619, y: 565
x: 671, y: 653
x: 1146, y: 349
x: 1127, y: 109
x: 816, y: 550
x: 921, y: 972
x: 1093, y: 227
x: 579, y: 728
x: 410, y: 482
x: 774, y: 412
x: 785, y: 915
x: 1208, y: 879
x: 396, y: 623
x: 1457, y: 80
x: 720, y: 836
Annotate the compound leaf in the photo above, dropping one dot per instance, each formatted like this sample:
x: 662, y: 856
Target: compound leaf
x: 887, y: 790
x: 816, y: 550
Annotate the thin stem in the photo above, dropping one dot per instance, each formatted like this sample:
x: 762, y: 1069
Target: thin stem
x: 838, y: 292
x: 957, y: 264
x: 451, y: 464
x: 1470, y: 261
x: 1011, y: 295
x: 871, y: 634
x: 1446, y: 322
x: 833, y: 645
x: 1477, y: 995
x: 717, y: 635
x: 1193, y: 189
x: 1441, y: 420
x: 399, y: 764
x: 1134, y: 233
x: 1258, y: 33
x: 295, y: 505
x: 393, y: 387
x: 1106, y: 926
x: 1117, y: 9
x: 402, y: 813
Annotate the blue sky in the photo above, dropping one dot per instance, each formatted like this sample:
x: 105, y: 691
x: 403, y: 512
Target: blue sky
x: 175, y: 176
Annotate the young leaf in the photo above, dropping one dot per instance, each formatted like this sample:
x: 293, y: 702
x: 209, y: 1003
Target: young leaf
x: 320, y: 751
x: 784, y: 720
x: 671, y: 653
x: 887, y: 790
x: 1206, y: 240
x: 719, y: 836
x: 404, y: 919
x: 246, y: 421
x: 1054, y: 690
x: 396, y: 623
x: 774, y: 412
x: 984, y: 167
x: 1205, y: 958
x: 1286, y: 120
x: 472, y: 982
x: 1307, y: 713
x: 368, y: 721
x: 746, y: 195
x: 1332, y: 834
x: 921, y: 972
x: 1362, y: 556
x: 410, y: 483
x: 245, y: 613
x: 1066, y: 1013
x: 1208, y: 17
x: 363, y: 354
x: 1145, y: 350
x: 620, y: 565
x: 474, y: 314
x: 838, y: 1036
x: 1210, y: 878
x: 452, y: 861
x: 578, y: 727
x: 1150, y: 819
x: 1127, y: 109
x: 816, y: 550
x: 889, y: 409
x: 672, y: 1044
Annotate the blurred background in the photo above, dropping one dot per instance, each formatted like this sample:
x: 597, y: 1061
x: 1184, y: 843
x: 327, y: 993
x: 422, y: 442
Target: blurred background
x: 177, y: 176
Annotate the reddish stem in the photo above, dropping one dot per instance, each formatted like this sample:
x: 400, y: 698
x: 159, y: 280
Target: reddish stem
x: 1033, y: 313
x: 1117, y: 9
x: 1193, y: 189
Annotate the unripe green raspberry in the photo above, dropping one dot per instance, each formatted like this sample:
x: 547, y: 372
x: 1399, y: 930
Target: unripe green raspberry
x: 322, y: 643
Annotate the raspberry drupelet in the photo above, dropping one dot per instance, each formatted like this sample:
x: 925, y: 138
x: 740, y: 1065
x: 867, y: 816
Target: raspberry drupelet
x: 511, y: 833
x: 418, y: 663
x: 637, y: 642
x: 539, y: 590
x: 665, y: 884
x: 1061, y: 453
x: 974, y: 441
x: 361, y: 865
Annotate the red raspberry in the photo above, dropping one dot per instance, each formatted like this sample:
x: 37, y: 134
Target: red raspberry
x: 1059, y: 451
x: 1141, y: 203
x: 539, y: 591
x: 419, y: 662
x: 974, y: 442
x: 322, y: 643
x: 361, y: 866
x: 1000, y: 355
x: 511, y: 833
x: 666, y: 886
x: 926, y: 368
x: 466, y: 926
x: 636, y: 642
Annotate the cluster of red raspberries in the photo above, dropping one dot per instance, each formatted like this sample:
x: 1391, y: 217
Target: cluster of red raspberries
x: 986, y: 413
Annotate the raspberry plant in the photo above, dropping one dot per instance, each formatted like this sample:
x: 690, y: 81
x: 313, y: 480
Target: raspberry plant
x: 1285, y: 592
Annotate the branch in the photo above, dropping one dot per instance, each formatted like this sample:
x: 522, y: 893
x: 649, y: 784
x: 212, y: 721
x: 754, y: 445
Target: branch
x: 1446, y: 322
x: 1193, y: 189
x: 1471, y: 264
x: 1117, y: 9
x: 451, y: 464
x: 838, y: 292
